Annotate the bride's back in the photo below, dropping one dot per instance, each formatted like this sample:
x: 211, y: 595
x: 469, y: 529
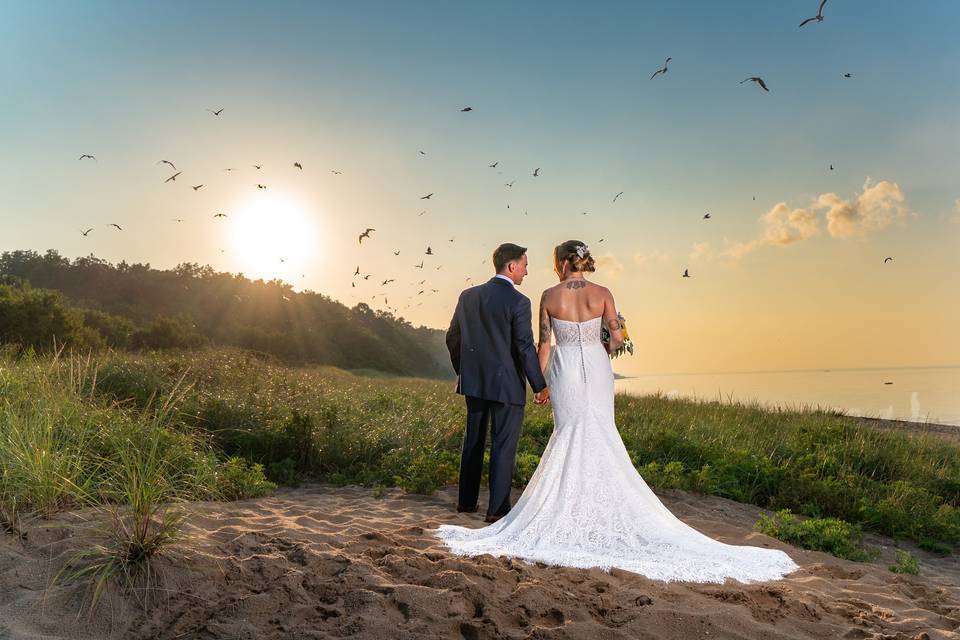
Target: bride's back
x: 575, y: 300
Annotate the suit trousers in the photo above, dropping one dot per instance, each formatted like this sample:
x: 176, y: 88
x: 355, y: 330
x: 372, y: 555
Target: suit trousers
x: 506, y: 421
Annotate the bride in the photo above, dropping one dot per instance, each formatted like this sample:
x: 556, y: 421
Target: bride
x: 586, y: 505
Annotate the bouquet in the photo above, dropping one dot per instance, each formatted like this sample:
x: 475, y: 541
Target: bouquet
x: 627, y: 346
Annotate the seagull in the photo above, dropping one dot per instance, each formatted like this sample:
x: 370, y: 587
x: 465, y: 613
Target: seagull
x: 261, y: 186
x: 386, y: 282
x: 86, y: 232
x: 663, y: 71
x: 426, y: 197
x: 686, y: 273
x: 357, y: 272
x: 887, y: 383
x: 87, y: 155
x: 167, y: 162
x: 219, y: 215
x: 422, y: 152
x: 230, y: 169
x: 450, y: 240
x: 421, y: 282
x: 536, y: 172
x: 886, y: 259
x: 217, y: 112
x: 706, y: 216
x: 367, y: 277
x: 421, y: 213
x: 466, y: 109
x: 419, y: 266
x: 584, y: 213
x: 365, y: 234
x: 419, y: 292
x: 818, y: 17
x: 831, y: 167
x: 335, y: 172
x: 758, y: 80
x: 617, y: 196
x: 509, y: 184
x: 114, y: 224
x: 173, y: 177
x: 847, y: 75
x: 429, y: 251
x: 298, y: 165
x: 600, y: 240
x: 257, y: 166
x: 177, y: 219
x: 196, y: 187
x: 494, y: 165
x: 396, y: 253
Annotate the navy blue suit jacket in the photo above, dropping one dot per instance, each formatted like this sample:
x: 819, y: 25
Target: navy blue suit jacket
x: 490, y: 340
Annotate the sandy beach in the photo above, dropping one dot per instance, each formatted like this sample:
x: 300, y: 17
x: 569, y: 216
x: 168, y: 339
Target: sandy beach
x: 327, y: 562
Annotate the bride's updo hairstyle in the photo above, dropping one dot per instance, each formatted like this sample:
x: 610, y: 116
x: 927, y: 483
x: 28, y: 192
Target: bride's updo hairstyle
x: 576, y: 253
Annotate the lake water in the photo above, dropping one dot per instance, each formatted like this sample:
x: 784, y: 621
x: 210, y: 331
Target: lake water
x: 917, y: 394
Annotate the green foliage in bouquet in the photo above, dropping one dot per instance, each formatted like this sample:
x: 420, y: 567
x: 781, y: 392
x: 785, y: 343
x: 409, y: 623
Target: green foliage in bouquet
x: 627, y: 346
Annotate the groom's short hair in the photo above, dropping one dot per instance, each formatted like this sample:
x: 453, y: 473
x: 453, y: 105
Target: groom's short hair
x: 505, y: 254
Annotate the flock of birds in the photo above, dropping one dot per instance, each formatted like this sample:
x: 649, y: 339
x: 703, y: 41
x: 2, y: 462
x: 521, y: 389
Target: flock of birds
x: 367, y: 232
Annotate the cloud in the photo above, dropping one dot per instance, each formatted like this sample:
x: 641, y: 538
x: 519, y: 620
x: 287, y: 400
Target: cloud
x: 608, y: 264
x: 781, y: 227
x: 956, y: 207
x: 879, y: 206
x: 657, y: 256
x: 700, y: 250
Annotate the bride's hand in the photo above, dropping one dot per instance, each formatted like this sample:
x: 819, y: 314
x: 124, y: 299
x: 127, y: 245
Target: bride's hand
x: 542, y: 397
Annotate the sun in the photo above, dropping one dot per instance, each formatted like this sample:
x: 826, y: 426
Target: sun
x: 272, y: 237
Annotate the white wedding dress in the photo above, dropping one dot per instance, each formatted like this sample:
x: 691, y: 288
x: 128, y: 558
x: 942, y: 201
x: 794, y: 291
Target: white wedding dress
x: 586, y: 505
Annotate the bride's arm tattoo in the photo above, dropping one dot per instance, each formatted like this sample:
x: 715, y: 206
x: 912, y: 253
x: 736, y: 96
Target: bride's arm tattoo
x: 613, y: 324
x: 544, y: 322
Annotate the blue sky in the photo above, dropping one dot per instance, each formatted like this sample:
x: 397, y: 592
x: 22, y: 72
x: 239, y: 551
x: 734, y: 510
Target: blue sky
x: 361, y: 87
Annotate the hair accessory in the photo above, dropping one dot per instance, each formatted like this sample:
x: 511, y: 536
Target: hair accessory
x: 581, y: 250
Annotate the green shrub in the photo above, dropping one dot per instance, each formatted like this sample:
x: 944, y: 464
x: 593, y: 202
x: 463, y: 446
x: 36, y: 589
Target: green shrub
x: 905, y: 563
x: 820, y: 534
x: 428, y: 471
x: 238, y: 479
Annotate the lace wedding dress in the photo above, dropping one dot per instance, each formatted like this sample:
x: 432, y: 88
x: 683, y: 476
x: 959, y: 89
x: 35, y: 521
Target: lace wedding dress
x: 586, y: 505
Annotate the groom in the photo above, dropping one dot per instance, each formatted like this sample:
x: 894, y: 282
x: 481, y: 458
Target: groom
x: 491, y: 347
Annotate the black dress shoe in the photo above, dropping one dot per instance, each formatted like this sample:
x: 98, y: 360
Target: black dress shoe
x: 491, y: 519
x: 463, y: 509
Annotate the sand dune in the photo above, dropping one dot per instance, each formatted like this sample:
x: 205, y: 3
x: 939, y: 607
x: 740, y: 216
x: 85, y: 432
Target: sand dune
x: 327, y: 562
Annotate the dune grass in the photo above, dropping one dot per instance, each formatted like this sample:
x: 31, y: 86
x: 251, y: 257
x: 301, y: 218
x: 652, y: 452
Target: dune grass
x: 147, y: 432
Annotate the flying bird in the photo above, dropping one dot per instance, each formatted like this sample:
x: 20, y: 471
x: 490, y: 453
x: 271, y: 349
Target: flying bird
x: 509, y: 184
x: 257, y: 166
x: 536, y: 172
x: 261, y: 186
x: 230, y: 169
x: 114, y: 224
x: 367, y: 277
x: 422, y: 152
x: 365, y: 234
x: 173, y: 177
x: 335, y: 172
x: 396, y: 253
x: 758, y: 80
x: 686, y: 273
x: 847, y: 75
x: 426, y: 197
x: 298, y: 165
x: 219, y: 215
x: 466, y: 109
x: 494, y: 165
x: 86, y: 232
x: 196, y: 187
x: 663, y: 70
x: 887, y: 383
x: 87, y: 155
x: 617, y: 196
x: 386, y: 282
x: 419, y: 266
x: 429, y: 251
x: 177, y: 219
x: 421, y: 213
x: 357, y: 272
x: 169, y: 163
x: 818, y: 17
x: 886, y: 259
x: 706, y: 216
x: 217, y: 112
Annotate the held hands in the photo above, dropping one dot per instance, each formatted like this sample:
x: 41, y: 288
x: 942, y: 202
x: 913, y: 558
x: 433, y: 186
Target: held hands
x: 542, y: 397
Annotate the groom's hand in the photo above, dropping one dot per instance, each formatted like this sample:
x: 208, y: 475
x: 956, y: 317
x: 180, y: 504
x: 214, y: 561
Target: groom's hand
x: 542, y: 397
